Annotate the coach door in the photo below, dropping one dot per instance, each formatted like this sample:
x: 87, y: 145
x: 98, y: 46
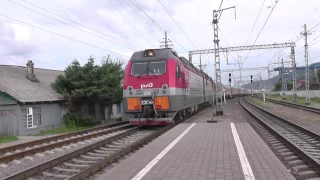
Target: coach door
x: 184, y: 84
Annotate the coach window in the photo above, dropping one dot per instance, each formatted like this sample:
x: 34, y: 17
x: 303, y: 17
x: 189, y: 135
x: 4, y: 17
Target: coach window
x: 178, y: 71
x: 158, y: 67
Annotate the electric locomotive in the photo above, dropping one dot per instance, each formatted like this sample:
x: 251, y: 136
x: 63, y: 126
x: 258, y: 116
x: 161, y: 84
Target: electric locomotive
x: 160, y: 87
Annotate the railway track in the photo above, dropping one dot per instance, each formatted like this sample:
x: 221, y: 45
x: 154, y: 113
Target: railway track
x: 306, y: 108
x: 15, y: 152
x: 296, y: 146
x: 86, y: 161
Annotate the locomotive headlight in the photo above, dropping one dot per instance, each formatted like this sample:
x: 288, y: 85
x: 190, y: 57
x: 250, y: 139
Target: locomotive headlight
x: 130, y: 92
x: 130, y: 88
x: 164, y: 91
x: 149, y: 53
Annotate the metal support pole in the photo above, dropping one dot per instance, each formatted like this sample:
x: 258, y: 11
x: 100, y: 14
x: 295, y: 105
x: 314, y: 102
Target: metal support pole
x: 294, y: 75
x: 283, y: 81
x: 269, y: 83
x: 219, y: 107
x: 306, y: 55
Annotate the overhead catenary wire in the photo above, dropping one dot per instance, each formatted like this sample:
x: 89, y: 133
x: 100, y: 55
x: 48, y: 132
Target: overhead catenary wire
x: 254, y: 25
x: 156, y: 38
x: 142, y: 10
x: 62, y: 35
x: 131, y: 23
x: 177, y: 24
x: 262, y: 28
x: 72, y: 25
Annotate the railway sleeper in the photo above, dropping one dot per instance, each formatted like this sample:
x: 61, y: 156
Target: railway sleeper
x: 109, y: 149
x: 98, y: 155
x: 300, y: 168
x: 77, y: 165
x: 307, y: 174
x: 83, y: 161
x: 295, y: 162
x: 92, y: 157
x: 291, y: 158
x: 67, y: 170
x: 55, y: 175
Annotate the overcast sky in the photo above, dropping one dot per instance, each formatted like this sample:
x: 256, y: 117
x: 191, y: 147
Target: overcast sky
x: 120, y: 27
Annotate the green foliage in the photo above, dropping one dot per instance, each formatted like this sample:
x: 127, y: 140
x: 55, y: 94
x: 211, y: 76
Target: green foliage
x: 90, y: 82
x: 277, y: 86
x: 74, y: 119
x: 7, y: 139
x: 93, y: 82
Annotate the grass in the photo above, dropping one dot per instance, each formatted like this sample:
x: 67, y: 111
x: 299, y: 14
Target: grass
x: 63, y: 130
x: 6, y: 139
x: 260, y: 102
x: 301, y: 100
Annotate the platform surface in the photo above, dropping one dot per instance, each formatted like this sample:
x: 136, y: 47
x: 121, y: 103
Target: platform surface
x: 206, y: 151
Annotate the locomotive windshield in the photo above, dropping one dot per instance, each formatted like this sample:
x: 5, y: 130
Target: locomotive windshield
x: 148, y: 68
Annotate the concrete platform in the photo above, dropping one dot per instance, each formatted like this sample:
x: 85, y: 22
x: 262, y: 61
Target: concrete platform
x: 206, y: 151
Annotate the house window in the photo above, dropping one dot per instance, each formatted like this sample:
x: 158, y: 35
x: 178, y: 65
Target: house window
x: 31, y: 117
x: 118, y: 108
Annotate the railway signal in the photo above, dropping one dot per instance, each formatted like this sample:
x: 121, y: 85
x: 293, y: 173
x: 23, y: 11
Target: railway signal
x: 251, y: 87
x: 230, y: 85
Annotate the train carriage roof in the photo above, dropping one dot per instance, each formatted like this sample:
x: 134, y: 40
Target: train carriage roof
x: 167, y: 53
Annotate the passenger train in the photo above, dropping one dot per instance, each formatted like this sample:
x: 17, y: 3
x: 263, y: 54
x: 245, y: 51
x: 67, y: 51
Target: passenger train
x: 160, y: 87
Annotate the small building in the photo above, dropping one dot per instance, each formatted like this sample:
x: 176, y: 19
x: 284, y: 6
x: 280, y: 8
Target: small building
x: 28, y: 103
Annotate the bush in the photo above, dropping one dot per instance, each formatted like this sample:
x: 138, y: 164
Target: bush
x: 74, y: 119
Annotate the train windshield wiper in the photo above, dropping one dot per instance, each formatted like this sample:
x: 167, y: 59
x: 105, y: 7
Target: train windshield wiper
x: 154, y: 74
x: 143, y: 73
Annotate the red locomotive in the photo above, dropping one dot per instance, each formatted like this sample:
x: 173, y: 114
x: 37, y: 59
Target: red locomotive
x: 160, y: 87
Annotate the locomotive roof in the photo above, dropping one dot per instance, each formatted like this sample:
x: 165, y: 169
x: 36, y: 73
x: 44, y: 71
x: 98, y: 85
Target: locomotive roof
x: 166, y: 53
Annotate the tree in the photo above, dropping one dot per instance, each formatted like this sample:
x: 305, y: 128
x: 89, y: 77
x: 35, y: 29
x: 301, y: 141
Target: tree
x: 289, y: 85
x: 91, y: 83
x: 277, y: 86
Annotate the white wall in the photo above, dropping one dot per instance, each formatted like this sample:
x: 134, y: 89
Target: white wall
x: 302, y: 93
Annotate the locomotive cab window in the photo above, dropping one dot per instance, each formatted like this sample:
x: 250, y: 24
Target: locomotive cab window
x: 178, y: 71
x: 148, y: 68
x: 158, y: 67
x: 139, y: 68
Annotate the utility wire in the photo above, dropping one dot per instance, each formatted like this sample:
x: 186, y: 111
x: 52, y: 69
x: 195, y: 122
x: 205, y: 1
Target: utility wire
x: 130, y: 23
x: 54, y: 8
x: 142, y: 19
x: 177, y: 24
x: 141, y: 9
x: 62, y: 35
x: 137, y: 19
x: 74, y: 22
x: 255, y: 22
x: 262, y: 29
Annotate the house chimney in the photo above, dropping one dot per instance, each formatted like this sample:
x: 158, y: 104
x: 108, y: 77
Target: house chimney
x: 30, y: 70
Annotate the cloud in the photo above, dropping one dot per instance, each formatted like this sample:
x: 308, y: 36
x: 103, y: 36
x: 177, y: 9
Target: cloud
x: 14, y: 44
x: 20, y: 42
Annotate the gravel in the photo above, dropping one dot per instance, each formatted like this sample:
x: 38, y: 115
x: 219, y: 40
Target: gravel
x: 306, y: 119
x: 27, y: 163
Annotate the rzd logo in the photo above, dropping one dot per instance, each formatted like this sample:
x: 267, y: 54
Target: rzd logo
x: 150, y: 85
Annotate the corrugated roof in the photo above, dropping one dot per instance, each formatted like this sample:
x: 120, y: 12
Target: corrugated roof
x: 14, y: 82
